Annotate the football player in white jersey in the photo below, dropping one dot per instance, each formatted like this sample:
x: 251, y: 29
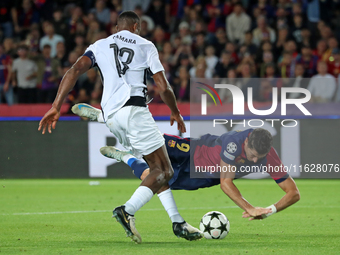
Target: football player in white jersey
x: 122, y: 60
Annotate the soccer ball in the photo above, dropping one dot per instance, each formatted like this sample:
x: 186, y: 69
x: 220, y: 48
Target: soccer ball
x: 214, y: 225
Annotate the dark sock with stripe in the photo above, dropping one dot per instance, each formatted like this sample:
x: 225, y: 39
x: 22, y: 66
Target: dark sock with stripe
x: 138, y: 166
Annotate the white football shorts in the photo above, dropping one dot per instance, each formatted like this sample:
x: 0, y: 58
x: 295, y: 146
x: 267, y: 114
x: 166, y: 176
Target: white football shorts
x: 136, y: 130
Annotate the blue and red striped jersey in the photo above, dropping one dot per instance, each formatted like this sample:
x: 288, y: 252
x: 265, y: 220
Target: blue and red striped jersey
x: 209, y: 150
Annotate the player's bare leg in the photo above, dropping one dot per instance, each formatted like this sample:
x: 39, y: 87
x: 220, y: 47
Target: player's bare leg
x: 180, y: 227
x: 160, y: 169
x: 160, y: 173
x: 141, y: 170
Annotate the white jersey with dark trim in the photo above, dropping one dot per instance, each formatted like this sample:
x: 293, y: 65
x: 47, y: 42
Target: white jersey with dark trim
x: 122, y: 59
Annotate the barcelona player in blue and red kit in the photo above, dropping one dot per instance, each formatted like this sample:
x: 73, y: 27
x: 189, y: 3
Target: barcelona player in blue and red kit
x: 212, y: 160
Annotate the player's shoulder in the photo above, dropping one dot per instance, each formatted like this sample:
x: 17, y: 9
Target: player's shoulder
x: 237, y: 136
x: 101, y: 46
x: 147, y: 45
x: 272, y: 157
x: 208, y: 136
x: 144, y: 40
x: 102, y: 41
x: 232, y: 143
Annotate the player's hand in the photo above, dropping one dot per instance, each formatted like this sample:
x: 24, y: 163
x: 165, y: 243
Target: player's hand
x: 49, y: 120
x: 256, y: 213
x: 257, y: 218
x: 180, y: 123
x: 246, y: 215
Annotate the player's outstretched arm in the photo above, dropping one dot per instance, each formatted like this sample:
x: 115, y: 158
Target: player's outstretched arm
x: 291, y: 197
x: 169, y: 99
x: 69, y: 80
x: 229, y: 188
x: 292, y: 194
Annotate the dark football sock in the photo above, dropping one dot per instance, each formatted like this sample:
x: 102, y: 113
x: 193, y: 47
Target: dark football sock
x: 138, y: 166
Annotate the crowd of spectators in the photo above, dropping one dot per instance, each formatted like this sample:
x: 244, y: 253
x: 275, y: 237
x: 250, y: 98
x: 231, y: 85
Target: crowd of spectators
x: 232, y: 39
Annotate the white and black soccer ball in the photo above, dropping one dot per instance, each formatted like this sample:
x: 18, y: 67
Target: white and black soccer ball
x: 214, y: 225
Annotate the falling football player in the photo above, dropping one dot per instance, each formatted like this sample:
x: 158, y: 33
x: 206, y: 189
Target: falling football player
x: 241, y: 153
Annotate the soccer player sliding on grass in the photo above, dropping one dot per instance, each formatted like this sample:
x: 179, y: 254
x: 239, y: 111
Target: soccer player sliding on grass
x: 246, y: 149
x: 240, y: 150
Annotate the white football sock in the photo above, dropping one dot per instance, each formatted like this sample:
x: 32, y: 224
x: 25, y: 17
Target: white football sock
x: 127, y: 157
x: 100, y: 118
x: 141, y: 196
x: 170, y: 206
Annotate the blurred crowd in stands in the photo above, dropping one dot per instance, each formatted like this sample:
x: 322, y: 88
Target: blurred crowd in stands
x: 232, y: 40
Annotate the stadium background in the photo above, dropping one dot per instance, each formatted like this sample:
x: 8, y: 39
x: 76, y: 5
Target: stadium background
x: 195, y: 39
x: 68, y: 216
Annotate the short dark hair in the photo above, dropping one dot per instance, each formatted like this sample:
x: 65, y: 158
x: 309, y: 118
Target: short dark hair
x: 201, y: 33
x: 238, y: 4
x: 138, y: 7
x: 23, y: 47
x: 128, y: 17
x: 272, y: 65
x: 226, y: 52
x: 58, y: 10
x: 260, y: 140
x: 47, y: 46
x: 299, y: 64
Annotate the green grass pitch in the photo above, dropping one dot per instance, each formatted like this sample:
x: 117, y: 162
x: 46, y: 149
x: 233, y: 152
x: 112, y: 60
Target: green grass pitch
x: 72, y: 217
